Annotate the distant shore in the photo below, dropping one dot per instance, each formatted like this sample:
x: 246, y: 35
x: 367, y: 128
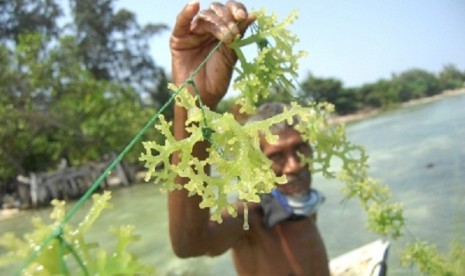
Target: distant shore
x: 367, y: 113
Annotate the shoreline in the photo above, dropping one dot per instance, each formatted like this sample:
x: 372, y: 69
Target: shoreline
x: 368, y: 113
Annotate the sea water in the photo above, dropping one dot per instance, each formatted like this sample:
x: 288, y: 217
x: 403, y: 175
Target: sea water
x: 419, y: 152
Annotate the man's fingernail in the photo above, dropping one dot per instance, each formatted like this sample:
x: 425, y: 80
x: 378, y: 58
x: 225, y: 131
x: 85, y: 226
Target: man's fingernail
x: 240, y: 14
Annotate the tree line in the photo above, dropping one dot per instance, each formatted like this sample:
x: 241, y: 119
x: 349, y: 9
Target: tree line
x: 409, y: 85
x: 80, y: 86
x: 74, y: 86
x: 383, y: 94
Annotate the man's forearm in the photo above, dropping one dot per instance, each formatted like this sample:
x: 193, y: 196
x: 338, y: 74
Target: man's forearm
x: 188, y: 223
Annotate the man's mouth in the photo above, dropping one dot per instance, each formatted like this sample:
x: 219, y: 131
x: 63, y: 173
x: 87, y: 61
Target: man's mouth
x: 297, y: 183
x: 302, y: 176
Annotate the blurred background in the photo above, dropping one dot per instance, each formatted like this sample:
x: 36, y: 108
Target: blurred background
x: 78, y: 79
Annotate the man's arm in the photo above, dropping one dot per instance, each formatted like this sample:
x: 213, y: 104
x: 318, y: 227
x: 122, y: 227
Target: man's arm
x: 195, y: 34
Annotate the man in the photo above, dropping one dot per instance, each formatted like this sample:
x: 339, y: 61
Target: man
x: 274, y: 244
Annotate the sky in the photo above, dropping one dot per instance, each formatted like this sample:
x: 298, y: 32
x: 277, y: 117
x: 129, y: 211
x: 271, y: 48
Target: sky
x: 356, y: 42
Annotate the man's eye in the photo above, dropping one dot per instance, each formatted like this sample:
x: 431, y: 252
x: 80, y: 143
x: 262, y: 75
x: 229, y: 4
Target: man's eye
x: 275, y: 157
x: 304, y: 148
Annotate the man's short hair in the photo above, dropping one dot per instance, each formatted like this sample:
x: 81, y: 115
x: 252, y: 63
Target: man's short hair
x: 268, y: 110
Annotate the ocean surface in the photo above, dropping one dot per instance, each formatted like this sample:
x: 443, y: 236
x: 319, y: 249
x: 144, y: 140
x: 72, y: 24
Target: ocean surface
x: 418, y: 152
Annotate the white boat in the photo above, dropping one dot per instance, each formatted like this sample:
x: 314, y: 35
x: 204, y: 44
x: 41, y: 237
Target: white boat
x: 367, y: 260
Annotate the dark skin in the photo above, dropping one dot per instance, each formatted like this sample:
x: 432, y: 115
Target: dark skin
x: 290, y: 247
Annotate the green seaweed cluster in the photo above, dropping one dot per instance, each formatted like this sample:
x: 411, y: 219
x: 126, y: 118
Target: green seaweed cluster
x: 62, y: 249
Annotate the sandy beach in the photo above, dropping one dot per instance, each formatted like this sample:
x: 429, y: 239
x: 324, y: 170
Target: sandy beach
x: 372, y: 112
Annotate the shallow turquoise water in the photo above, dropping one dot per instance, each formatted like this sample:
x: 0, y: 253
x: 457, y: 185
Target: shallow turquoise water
x: 419, y: 152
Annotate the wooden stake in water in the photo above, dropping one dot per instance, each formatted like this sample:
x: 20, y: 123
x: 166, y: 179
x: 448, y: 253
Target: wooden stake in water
x: 246, y: 216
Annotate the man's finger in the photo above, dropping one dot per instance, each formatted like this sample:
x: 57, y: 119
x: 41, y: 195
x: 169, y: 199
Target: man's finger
x: 238, y: 10
x: 240, y: 14
x: 184, y: 19
x: 208, y: 22
x: 225, y: 13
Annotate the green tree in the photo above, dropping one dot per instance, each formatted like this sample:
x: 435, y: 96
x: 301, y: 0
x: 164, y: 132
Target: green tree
x: 451, y: 77
x: 381, y: 94
x: 80, y: 95
x: 416, y: 83
x: 349, y: 101
x: 321, y: 89
x: 51, y: 106
x: 329, y: 90
x: 20, y: 16
x: 114, y: 46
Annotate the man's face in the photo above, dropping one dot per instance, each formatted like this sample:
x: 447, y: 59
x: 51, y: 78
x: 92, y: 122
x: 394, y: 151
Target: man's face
x: 284, y: 155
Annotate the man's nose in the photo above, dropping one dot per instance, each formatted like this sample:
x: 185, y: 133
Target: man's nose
x: 293, y: 164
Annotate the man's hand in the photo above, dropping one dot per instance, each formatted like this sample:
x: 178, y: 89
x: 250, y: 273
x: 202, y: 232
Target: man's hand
x: 195, y: 34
